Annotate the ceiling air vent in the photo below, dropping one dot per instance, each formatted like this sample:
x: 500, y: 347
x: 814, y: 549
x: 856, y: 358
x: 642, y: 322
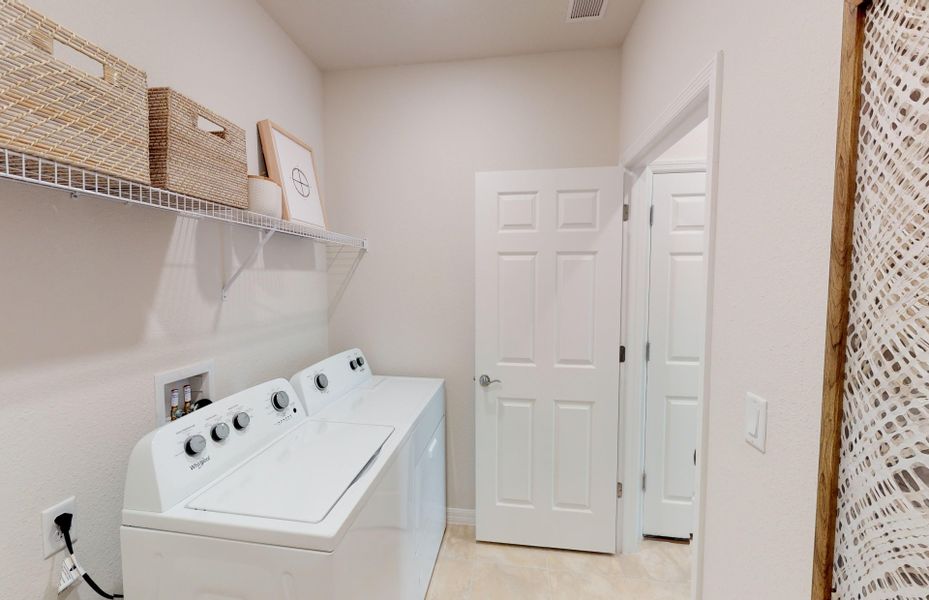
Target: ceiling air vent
x: 586, y: 10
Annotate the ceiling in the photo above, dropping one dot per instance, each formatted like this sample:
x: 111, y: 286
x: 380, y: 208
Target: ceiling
x: 343, y: 34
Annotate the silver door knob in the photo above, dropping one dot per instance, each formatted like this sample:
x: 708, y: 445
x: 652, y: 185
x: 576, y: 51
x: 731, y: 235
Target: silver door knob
x: 485, y: 380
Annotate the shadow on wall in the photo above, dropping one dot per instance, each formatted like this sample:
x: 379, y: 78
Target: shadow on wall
x: 88, y: 277
x: 78, y: 279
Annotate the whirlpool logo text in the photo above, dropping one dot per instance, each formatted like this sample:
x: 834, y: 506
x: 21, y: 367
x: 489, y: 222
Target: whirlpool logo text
x: 199, y: 463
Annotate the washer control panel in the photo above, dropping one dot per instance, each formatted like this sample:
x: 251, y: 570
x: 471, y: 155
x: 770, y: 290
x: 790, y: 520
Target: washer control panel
x: 188, y: 453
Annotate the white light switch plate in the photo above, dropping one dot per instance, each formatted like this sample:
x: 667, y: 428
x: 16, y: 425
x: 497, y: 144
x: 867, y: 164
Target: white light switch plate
x: 756, y: 421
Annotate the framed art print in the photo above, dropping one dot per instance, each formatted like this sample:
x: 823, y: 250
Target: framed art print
x: 291, y: 165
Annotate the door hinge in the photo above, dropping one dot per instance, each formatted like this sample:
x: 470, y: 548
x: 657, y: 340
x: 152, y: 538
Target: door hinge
x: 648, y: 351
x: 619, y: 489
x: 651, y: 215
x: 625, y: 212
x: 622, y: 354
x: 643, y: 482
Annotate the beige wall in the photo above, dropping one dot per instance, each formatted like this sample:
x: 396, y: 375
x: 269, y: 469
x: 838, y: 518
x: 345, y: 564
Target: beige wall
x: 402, y: 147
x: 776, y: 155
x: 98, y: 297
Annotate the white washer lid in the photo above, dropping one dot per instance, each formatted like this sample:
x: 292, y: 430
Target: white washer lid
x: 301, y: 476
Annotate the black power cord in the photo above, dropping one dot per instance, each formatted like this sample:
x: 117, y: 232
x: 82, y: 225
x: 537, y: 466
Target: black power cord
x: 63, y: 521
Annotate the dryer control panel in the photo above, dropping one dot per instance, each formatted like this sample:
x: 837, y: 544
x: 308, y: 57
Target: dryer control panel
x: 181, y: 457
x: 327, y: 380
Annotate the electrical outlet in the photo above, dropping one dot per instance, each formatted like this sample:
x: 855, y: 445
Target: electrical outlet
x: 52, y: 538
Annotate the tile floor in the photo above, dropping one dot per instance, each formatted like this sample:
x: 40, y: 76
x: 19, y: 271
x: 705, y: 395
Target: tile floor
x: 470, y: 570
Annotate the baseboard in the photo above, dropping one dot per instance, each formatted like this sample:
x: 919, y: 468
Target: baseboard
x: 460, y: 516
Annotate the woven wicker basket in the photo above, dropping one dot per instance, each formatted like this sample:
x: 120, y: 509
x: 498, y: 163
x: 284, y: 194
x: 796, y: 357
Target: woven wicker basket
x: 188, y: 159
x: 53, y: 110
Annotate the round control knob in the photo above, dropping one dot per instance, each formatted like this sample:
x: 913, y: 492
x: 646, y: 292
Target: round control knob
x: 353, y: 364
x: 194, y: 445
x: 322, y: 382
x: 360, y: 361
x: 241, y: 420
x: 280, y: 400
x: 219, y: 432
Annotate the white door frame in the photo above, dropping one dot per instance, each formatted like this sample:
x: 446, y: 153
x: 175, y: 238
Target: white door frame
x: 700, y: 100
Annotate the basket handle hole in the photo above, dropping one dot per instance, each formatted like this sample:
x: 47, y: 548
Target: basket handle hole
x: 78, y: 59
x: 209, y: 126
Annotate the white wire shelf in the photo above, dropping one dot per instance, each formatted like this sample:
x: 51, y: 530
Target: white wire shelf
x: 17, y: 166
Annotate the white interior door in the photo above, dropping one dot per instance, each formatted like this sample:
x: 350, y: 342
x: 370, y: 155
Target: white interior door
x: 548, y: 250
x: 675, y: 337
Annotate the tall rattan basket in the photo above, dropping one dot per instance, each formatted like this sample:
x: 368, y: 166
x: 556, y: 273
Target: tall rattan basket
x: 51, y: 109
x: 189, y: 158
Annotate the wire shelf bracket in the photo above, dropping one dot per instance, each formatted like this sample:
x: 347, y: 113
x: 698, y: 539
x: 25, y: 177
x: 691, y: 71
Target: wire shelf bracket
x: 262, y: 240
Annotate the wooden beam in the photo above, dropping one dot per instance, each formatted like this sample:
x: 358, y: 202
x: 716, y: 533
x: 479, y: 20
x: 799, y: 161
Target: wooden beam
x: 837, y: 310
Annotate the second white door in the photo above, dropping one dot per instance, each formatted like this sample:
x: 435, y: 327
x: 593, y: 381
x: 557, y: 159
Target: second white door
x: 675, y: 351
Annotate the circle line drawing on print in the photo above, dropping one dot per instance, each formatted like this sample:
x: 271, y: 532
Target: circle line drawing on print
x: 300, y: 181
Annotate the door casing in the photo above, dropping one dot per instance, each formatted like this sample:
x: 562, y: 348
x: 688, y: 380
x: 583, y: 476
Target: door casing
x: 701, y: 99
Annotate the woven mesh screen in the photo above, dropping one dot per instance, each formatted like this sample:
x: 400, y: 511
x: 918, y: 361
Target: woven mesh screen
x: 882, y: 530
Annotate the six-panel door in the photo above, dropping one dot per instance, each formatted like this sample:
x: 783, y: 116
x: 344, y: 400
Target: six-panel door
x: 548, y: 250
x: 676, y: 323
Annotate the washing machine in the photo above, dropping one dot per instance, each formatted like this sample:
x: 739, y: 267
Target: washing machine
x: 255, y: 498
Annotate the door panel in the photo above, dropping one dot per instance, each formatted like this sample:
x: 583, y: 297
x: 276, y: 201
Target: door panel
x: 517, y: 211
x: 575, y: 292
x: 514, y: 450
x: 548, y: 261
x: 516, y: 306
x: 680, y: 417
x: 675, y: 334
x: 573, y: 428
x: 578, y: 210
